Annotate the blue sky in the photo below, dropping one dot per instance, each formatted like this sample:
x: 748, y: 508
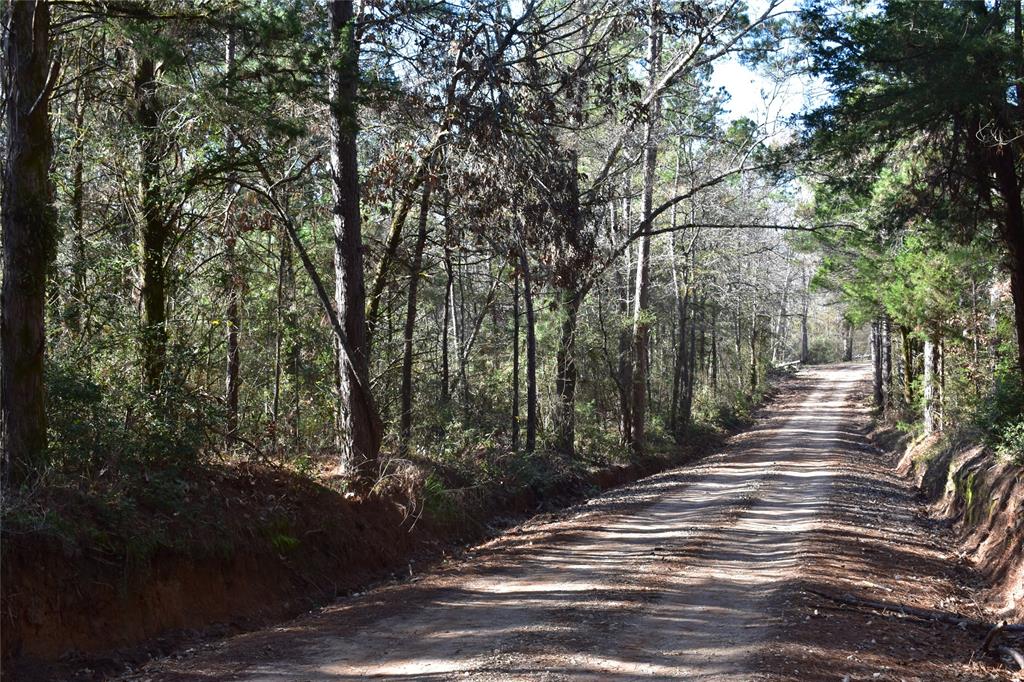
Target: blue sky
x: 758, y: 96
x: 761, y: 98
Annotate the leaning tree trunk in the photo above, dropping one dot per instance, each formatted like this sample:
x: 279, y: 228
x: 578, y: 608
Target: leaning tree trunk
x: 29, y: 236
x: 154, y: 227
x: 415, y: 267
x: 359, y: 420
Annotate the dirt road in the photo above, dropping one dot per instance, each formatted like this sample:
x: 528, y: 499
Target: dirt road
x: 683, y: 575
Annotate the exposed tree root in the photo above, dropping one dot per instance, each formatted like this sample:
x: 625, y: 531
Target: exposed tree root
x: 1017, y: 656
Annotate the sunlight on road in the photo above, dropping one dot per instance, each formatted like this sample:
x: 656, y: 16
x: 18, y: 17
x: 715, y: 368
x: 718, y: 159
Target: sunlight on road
x: 674, y: 588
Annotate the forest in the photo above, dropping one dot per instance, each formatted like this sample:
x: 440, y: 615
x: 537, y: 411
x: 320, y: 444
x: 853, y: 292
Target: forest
x: 268, y: 261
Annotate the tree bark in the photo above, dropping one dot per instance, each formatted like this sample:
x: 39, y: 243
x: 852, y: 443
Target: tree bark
x: 566, y: 372
x: 155, y: 227
x: 531, y: 355
x: 805, y: 352
x: 410, y: 324
x: 515, y: 360
x: 448, y: 307
x: 876, y: 361
x: 641, y: 323
x: 847, y: 341
x: 887, y: 362
x: 753, y: 351
x: 232, y: 313
x: 681, y: 376
x: 691, y: 375
x: 1004, y: 159
x: 908, y: 368
x: 778, y: 340
x: 931, y: 367
x: 76, y: 303
x: 29, y: 237
x: 624, y: 381
x: 714, y: 349
x: 275, y: 408
x: 359, y: 420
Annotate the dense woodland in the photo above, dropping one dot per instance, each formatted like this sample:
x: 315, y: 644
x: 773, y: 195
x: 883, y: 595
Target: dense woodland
x: 482, y: 241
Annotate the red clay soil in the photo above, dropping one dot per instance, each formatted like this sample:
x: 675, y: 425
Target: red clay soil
x: 982, y: 497
x: 705, y: 573
x: 64, y: 605
x: 269, y: 545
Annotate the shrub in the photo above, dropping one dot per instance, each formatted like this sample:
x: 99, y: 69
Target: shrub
x: 1002, y: 417
x: 92, y: 426
x: 1010, y: 441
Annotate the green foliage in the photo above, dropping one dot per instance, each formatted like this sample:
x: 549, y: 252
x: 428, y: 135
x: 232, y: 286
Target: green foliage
x: 1010, y: 440
x: 438, y: 502
x: 824, y: 351
x: 1002, y: 416
x: 278, y: 532
x: 94, y: 426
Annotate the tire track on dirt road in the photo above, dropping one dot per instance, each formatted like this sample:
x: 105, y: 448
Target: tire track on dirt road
x: 668, y: 578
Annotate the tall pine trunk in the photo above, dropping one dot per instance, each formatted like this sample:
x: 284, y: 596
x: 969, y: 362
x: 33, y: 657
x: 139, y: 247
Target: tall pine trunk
x: 931, y: 385
x: 641, y: 323
x: 876, y: 361
x: 1004, y: 161
x: 887, y: 362
x: 29, y: 236
x: 359, y: 422
x: 74, y: 310
x: 415, y: 267
x: 531, y: 354
x: 624, y: 374
x: 566, y: 371
x: 908, y: 368
x: 448, y: 313
x: 233, y: 282
x: 805, y: 351
x: 515, y: 360
x: 154, y: 228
